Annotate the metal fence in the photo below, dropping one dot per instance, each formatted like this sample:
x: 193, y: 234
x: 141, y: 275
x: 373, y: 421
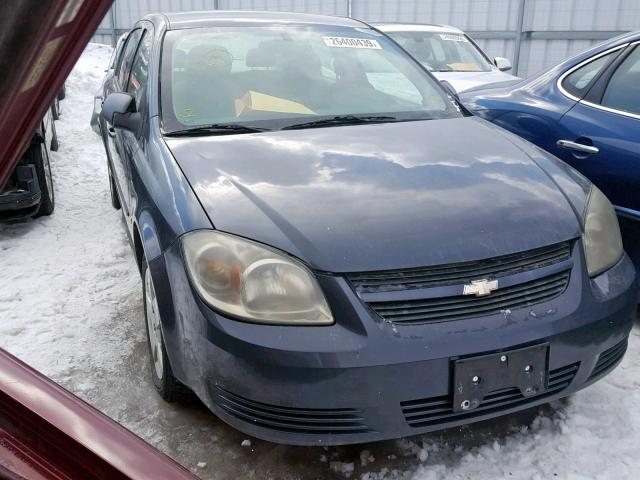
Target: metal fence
x: 534, y: 34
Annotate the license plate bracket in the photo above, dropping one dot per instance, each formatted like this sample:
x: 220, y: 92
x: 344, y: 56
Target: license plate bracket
x: 475, y: 377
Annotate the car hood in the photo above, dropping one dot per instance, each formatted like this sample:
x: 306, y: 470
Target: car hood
x: 462, y: 81
x: 378, y: 196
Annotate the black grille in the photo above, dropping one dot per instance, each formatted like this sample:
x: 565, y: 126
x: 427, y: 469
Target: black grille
x: 299, y: 420
x: 609, y: 359
x: 438, y: 410
x: 457, y: 307
x: 459, y: 273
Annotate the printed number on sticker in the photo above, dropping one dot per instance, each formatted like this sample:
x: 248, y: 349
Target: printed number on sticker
x: 346, y: 42
x: 452, y: 37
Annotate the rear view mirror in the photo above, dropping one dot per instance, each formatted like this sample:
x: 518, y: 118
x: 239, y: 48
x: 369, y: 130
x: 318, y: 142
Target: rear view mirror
x: 502, y: 63
x: 119, y: 109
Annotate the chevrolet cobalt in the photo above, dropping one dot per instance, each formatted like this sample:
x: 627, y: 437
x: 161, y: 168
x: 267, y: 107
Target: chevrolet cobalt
x: 333, y: 250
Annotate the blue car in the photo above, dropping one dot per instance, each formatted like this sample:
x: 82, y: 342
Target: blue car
x: 585, y: 111
x: 332, y: 250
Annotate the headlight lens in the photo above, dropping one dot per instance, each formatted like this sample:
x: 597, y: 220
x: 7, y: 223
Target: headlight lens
x: 602, y: 240
x: 252, y: 281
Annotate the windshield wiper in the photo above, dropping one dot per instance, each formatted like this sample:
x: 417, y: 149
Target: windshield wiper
x: 216, y: 128
x: 341, y: 120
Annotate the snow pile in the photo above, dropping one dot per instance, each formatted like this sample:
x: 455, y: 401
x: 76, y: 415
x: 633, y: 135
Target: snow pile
x: 65, y: 277
x: 345, y: 468
x: 366, y: 457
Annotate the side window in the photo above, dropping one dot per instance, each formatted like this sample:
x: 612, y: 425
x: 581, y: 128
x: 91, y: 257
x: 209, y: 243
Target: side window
x: 112, y: 60
x: 127, y: 56
x: 140, y: 69
x: 623, y: 90
x: 576, y: 83
x: 117, y: 52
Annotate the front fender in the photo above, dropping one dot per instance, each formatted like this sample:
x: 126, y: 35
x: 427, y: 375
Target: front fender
x: 148, y: 235
x: 165, y: 206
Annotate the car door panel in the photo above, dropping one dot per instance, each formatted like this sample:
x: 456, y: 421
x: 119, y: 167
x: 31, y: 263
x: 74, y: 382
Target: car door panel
x: 529, y: 114
x: 134, y: 144
x: 613, y: 162
x: 110, y: 85
x: 132, y: 152
x: 615, y: 169
x: 117, y: 139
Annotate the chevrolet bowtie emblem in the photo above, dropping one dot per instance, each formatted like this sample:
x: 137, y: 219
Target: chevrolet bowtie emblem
x: 480, y: 288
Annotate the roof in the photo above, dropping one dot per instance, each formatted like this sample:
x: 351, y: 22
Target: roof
x: 211, y: 18
x: 415, y: 27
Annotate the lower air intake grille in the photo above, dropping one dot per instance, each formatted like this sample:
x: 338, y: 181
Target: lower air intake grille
x: 438, y: 410
x: 444, y: 309
x: 608, y: 359
x: 300, y: 420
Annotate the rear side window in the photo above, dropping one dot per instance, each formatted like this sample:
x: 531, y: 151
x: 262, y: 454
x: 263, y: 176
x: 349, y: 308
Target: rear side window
x: 577, y: 82
x: 127, y: 56
x: 140, y: 70
x: 623, y: 90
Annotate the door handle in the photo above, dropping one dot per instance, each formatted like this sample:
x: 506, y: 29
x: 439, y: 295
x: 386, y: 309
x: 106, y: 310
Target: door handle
x: 112, y: 131
x: 578, y: 147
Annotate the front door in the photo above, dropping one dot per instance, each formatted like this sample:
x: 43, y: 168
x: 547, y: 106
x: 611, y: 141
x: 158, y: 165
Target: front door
x: 116, y: 138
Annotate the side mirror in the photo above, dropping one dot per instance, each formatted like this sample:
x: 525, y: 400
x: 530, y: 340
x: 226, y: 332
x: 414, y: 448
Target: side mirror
x: 502, y: 63
x: 119, y: 109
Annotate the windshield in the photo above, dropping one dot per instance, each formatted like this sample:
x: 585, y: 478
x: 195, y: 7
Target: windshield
x: 277, y: 76
x: 443, y: 52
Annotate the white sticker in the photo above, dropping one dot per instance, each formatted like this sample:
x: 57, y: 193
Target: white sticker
x: 347, y: 42
x: 452, y: 37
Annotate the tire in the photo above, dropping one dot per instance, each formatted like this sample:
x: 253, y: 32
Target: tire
x: 115, y: 199
x: 55, y: 109
x: 55, y: 144
x: 165, y: 383
x: 39, y: 156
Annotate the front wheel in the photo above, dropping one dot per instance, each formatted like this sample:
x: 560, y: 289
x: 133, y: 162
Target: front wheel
x: 55, y: 144
x: 167, y: 385
x: 39, y: 156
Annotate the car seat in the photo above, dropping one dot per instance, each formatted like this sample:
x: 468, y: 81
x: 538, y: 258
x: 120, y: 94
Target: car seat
x: 206, y: 93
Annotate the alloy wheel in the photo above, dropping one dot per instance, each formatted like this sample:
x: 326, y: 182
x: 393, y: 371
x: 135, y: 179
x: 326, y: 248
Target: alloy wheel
x: 153, y: 325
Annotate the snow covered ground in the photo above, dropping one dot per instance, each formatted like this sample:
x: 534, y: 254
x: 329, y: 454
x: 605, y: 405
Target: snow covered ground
x: 70, y: 305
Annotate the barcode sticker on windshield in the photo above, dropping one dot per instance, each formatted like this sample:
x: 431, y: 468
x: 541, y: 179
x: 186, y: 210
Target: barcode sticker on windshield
x: 452, y: 37
x: 346, y: 42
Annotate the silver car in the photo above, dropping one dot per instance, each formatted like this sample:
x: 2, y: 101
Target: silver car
x: 449, y: 54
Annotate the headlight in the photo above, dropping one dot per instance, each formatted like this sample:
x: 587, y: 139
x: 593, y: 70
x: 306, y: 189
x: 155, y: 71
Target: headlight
x: 251, y: 281
x: 602, y: 240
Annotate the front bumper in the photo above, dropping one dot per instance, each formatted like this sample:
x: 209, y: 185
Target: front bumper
x: 24, y: 197
x: 362, y: 379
